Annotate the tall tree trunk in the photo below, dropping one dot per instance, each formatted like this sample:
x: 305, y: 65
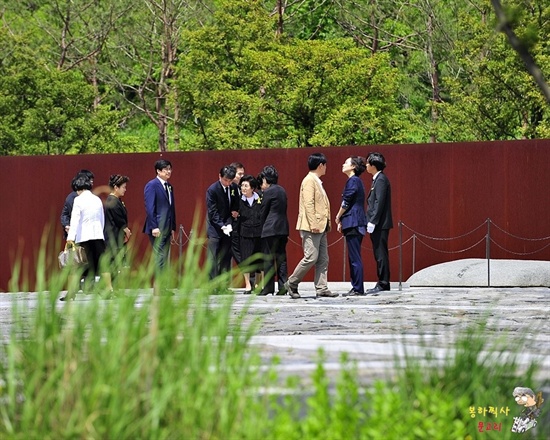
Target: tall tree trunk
x: 280, y: 23
x: 434, y: 76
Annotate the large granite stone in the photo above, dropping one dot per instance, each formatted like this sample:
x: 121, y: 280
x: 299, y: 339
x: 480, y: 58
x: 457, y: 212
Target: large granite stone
x: 473, y: 272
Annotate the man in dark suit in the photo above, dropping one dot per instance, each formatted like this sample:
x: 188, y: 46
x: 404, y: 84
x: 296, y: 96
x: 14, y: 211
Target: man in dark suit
x: 160, y: 210
x: 379, y: 219
x: 275, y: 230
x: 219, y: 202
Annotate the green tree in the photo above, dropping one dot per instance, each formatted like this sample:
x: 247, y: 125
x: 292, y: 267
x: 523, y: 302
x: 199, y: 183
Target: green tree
x: 47, y: 111
x: 493, y: 97
x: 241, y: 87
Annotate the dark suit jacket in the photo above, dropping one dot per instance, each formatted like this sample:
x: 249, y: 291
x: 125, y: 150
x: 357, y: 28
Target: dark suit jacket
x: 379, y: 203
x: 67, y: 210
x: 218, y: 210
x: 249, y: 222
x: 353, y: 201
x: 158, y: 210
x: 273, y: 212
x: 116, y: 219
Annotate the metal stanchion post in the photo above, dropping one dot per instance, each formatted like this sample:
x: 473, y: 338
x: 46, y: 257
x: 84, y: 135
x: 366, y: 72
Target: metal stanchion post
x: 180, y: 259
x: 344, y: 263
x: 488, y: 252
x: 414, y: 254
x: 400, y: 254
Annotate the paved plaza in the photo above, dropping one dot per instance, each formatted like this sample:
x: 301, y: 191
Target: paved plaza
x: 375, y: 330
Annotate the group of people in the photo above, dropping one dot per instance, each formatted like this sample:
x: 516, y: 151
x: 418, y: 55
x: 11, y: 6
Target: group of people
x: 246, y: 222
x: 101, y: 229
x: 314, y: 222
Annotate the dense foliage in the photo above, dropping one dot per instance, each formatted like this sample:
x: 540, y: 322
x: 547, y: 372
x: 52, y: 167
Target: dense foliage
x: 122, y: 75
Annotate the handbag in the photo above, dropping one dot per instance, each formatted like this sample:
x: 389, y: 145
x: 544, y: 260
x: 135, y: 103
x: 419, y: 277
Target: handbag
x: 73, y: 255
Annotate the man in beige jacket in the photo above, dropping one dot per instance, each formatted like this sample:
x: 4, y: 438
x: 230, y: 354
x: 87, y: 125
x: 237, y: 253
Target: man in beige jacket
x: 313, y: 224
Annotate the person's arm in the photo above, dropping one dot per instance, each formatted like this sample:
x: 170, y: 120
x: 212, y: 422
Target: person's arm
x: 150, y: 198
x: 75, y: 221
x: 66, y: 212
x: 212, y: 208
x: 348, y: 197
x: 308, y: 189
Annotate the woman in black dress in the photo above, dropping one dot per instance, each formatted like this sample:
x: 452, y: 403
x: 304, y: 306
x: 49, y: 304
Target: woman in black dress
x: 116, y: 230
x: 250, y: 228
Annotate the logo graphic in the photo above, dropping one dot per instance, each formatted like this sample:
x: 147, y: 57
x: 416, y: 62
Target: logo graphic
x: 532, y: 403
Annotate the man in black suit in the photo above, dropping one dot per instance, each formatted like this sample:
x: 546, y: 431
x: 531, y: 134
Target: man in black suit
x: 379, y: 219
x: 160, y: 211
x: 275, y: 231
x: 219, y: 202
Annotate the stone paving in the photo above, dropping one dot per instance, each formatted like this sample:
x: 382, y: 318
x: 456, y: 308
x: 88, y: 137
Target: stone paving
x: 376, y: 330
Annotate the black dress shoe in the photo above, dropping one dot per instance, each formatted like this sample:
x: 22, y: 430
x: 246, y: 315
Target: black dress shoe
x: 262, y: 293
x: 377, y: 289
x: 353, y: 292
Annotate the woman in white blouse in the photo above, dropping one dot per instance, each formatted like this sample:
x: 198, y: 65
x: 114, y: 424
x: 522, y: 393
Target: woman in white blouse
x: 86, y: 229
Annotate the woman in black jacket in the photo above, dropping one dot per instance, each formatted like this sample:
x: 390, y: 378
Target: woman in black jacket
x: 250, y: 229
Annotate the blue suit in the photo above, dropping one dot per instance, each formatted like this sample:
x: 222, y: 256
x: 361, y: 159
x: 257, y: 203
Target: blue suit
x: 161, y: 214
x: 354, y: 222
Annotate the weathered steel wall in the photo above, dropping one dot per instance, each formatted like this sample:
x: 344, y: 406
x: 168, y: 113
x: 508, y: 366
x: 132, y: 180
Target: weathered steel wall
x: 440, y: 191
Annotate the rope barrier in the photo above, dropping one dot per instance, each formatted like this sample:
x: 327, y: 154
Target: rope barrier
x: 519, y: 238
x: 518, y: 253
x: 444, y: 238
x: 487, y: 238
x: 453, y: 252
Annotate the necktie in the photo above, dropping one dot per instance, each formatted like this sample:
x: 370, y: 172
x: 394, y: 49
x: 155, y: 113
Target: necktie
x: 167, y: 192
x: 227, y: 195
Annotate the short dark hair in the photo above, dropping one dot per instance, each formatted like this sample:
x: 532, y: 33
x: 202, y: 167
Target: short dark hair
x: 161, y: 164
x: 82, y: 173
x: 228, y: 172
x: 315, y: 160
x: 270, y: 174
x: 359, y: 164
x: 236, y: 165
x: 82, y: 182
x: 117, y: 180
x: 87, y: 173
x: 376, y: 160
x: 250, y: 179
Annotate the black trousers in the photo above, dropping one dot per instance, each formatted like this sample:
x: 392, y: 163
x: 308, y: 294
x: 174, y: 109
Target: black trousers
x: 219, y: 254
x: 379, y: 238
x: 274, y: 250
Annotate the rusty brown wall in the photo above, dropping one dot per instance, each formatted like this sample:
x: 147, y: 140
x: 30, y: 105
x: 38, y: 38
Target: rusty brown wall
x: 439, y: 191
